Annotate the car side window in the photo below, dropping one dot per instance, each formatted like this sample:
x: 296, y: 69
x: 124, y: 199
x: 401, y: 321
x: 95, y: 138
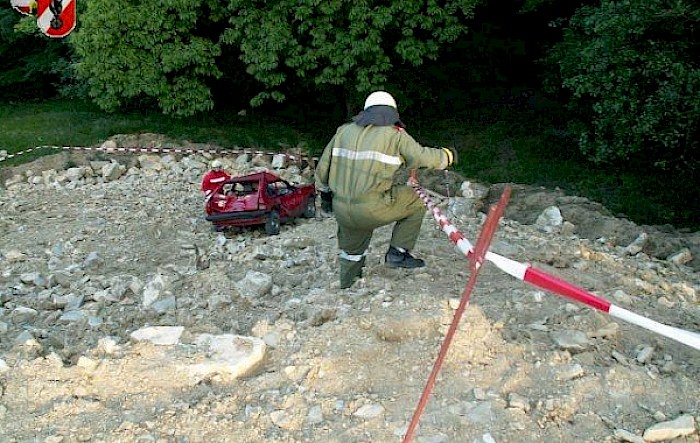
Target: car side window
x: 278, y: 188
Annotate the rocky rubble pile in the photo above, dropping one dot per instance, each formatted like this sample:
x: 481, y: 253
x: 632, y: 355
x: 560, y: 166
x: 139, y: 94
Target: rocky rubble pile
x: 124, y: 317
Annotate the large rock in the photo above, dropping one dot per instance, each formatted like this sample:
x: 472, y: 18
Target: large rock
x: 255, y: 284
x: 112, y: 171
x: 159, y: 335
x: 668, y: 430
x: 229, y: 355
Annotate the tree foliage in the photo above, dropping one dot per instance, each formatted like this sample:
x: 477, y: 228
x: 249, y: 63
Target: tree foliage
x: 147, y: 51
x: 351, y: 45
x: 29, y: 59
x: 634, y: 77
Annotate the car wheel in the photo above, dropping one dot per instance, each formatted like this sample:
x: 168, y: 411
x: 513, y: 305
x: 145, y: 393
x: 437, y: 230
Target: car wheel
x: 310, y: 208
x: 272, y: 224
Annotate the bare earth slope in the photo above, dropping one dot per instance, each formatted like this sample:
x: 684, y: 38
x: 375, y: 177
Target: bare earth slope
x: 89, y: 255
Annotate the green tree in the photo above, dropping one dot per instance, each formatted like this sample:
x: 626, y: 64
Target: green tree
x: 352, y: 46
x: 158, y: 52
x: 633, y: 73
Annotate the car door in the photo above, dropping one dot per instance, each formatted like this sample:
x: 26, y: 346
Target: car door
x: 290, y: 201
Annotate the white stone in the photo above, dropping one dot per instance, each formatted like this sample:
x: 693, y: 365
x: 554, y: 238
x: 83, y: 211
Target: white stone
x: 681, y: 257
x: 297, y: 373
x: 622, y: 297
x: 462, y: 207
x: 607, y: 331
x: 627, y: 436
x: 315, y: 416
x: 72, y: 316
x: 279, y: 161
x: 74, y: 174
x: 111, y: 171
x: 23, y: 314
x: 284, y: 420
x: 517, y: 401
x: 644, y: 354
x: 108, y: 345
x: 153, y: 289
x: 668, y: 430
x: 192, y: 163
x: 550, y: 220
x: 13, y: 255
x: 369, y: 411
x: 571, y: 340
x: 637, y: 245
x: 159, y: 335
x: 29, y: 277
x: 486, y: 438
x: 109, y: 145
x: 86, y: 363
x: 255, y: 284
x: 150, y: 162
x: 14, y: 180
x: 570, y: 372
x: 473, y: 190
x: 93, y: 261
x: 227, y: 354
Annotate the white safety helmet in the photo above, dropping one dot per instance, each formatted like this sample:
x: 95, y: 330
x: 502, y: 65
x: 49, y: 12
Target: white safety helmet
x: 216, y: 164
x: 380, y: 98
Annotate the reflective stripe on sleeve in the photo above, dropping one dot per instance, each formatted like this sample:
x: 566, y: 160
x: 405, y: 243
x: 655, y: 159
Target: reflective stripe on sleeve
x: 345, y: 256
x: 367, y: 155
x: 217, y: 180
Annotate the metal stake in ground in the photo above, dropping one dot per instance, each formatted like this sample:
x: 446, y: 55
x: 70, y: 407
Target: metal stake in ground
x: 478, y: 257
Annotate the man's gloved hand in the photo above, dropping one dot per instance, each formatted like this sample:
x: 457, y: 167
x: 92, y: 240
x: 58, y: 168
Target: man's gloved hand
x: 326, y: 201
x: 452, y: 156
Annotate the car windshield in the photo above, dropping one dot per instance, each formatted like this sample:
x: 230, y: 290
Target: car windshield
x: 240, y: 189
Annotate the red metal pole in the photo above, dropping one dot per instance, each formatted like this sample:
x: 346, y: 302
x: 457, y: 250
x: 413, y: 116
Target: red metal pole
x: 478, y: 258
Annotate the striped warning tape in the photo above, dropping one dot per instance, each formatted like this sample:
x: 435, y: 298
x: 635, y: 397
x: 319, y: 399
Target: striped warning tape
x: 160, y: 150
x: 539, y: 278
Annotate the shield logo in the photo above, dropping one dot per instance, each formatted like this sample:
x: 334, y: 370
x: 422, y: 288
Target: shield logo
x: 55, y: 18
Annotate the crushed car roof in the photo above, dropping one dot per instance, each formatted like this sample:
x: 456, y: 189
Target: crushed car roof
x: 254, y: 177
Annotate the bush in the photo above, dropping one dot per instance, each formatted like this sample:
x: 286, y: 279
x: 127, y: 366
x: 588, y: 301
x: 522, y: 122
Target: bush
x: 634, y: 81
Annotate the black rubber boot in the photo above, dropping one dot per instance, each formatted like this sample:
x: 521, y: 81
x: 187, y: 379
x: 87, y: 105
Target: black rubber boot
x: 350, y: 272
x: 397, y: 258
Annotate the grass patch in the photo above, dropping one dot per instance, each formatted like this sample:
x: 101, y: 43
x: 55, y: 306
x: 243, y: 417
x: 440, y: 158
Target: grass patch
x: 78, y: 123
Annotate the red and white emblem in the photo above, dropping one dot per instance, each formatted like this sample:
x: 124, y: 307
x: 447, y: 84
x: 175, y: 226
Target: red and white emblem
x: 26, y: 7
x: 55, y: 18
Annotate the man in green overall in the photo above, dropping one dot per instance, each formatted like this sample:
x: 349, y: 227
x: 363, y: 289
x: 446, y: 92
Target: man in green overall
x: 356, y: 171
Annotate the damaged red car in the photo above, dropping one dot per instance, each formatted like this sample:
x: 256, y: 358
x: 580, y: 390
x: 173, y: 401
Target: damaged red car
x: 259, y: 199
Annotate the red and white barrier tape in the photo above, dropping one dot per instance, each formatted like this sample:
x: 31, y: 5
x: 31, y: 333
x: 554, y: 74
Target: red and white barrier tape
x: 537, y: 277
x: 159, y: 150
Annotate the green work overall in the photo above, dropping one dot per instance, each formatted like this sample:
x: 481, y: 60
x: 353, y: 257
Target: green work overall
x: 358, y: 219
x: 358, y: 165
